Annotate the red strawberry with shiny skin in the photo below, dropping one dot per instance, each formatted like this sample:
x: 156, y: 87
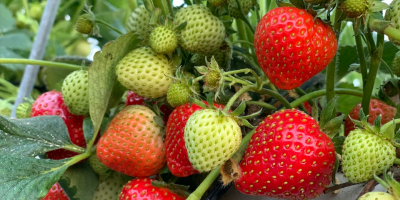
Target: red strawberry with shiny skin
x: 133, y: 143
x: 287, y: 157
x: 142, y: 189
x: 52, y: 103
x: 56, y: 193
x: 292, y: 47
x: 134, y: 99
x: 376, y: 108
x: 177, y: 156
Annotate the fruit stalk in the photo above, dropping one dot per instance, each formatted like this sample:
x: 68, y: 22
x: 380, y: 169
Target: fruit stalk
x: 330, y: 75
x: 262, y: 104
x: 236, y: 96
x: 276, y: 95
x: 108, y: 25
x: 383, y: 27
x: 40, y: 63
x: 320, y: 93
x: 198, y: 193
x: 369, y: 86
x: 361, y: 56
x: 74, y: 148
x: 163, y: 5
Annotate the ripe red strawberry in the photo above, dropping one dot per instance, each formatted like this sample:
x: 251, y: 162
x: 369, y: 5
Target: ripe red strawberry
x: 132, y: 143
x: 287, y: 157
x: 134, y: 99
x: 177, y: 156
x: 376, y: 108
x: 292, y: 47
x: 52, y: 103
x: 141, y: 188
x: 56, y: 193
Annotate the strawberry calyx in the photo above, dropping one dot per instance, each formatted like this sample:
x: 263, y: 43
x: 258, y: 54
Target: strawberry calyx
x: 213, y: 75
x: 389, y: 183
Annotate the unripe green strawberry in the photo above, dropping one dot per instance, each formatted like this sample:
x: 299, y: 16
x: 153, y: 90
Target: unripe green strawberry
x: 163, y: 40
x: 145, y: 72
x: 24, y: 110
x: 98, y: 166
x: 211, y: 139
x: 139, y: 21
x: 75, y: 92
x: 204, y: 32
x: 376, y: 196
x: 245, y: 5
x: 393, y: 14
x: 365, y: 153
x: 110, y: 187
x: 84, y: 24
x: 396, y: 64
x: 217, y: 3
x: 353, y: 8
x: 178, y: 94
x: 212, y: 79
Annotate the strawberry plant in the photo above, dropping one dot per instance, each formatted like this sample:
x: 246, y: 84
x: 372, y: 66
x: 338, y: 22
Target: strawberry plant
x: 184, y: 99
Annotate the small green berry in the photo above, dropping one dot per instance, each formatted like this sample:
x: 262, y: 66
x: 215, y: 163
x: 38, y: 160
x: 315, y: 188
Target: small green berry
x: 24, y: 110
x: 178, y: 94
x: 84, y: 24
x: 212, y: 79
x: 75, y: 92
x: 393, y: 15
x: 353, y: 8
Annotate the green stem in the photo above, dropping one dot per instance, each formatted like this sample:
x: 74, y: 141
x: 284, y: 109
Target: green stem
x: 251, y: 62
x: 77, y: 13
x: 302, y: 93
x: 108, y: 25
x: 233, y: 79
x: 236, y: 96
x: 170, y: 8
x: 78, y: 158
x: 262, y: 104
x: 74, y: 148
x: 163, y: 5
x: 247, y: 22
x: 132, y: 4
x: 330, y: 75
x: 197, y: 79
x: 26, y: 7
x: 258, y: 79
x: 370, y: 40
x: 369, y: 86
x: 320, y: 93
x: 392, y: 33
x: 242, y: 33
x: 40, y: 63
x: 243, y: 41
x: 361, y: 56
x: 276, y: 95
x: 202, y: 188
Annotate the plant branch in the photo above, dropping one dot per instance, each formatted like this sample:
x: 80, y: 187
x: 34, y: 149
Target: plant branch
x: 235, y: 97
x: 262, y: 104
x: 340, y: 186
x: 361, y: 56
x: 40, y: 63
x: 108, y: 25
x: 276, y: 95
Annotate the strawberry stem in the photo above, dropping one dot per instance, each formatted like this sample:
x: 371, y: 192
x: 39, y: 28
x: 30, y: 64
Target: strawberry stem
x: 108, y: 25
x: 236, y: 96
x: 40, y: 63
x: 163, y: 5
x: 320, y: 93
x: 262, y: 104
x: 361, y: 56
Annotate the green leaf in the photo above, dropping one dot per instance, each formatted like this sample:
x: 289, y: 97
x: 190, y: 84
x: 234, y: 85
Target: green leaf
x: 240, y: 109
x: 388, y: 129
x: 315, y: 110
x: 102, y: 77
x: 7, y: 21
x: 181, y: 26
x: 346, y: 57
x: 378, y: 6
x: 202, y: 69
x: 197, y: 102
x: 338, y: 143
x: 377, y: 123
x: 7, y: 53
x: 88, y: 129
x: 24, y: 178
x: 16, y: 40
x: 327, y: 112
x: 332, y: 127
x: 79, y: 181
x: 32, y: 136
